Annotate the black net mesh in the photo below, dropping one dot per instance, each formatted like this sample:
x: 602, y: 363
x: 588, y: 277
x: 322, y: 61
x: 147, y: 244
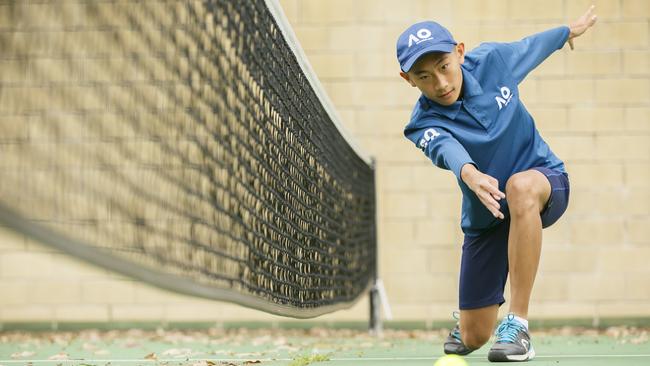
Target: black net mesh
x: 184, y: 138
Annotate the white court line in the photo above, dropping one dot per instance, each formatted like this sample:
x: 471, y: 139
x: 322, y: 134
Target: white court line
x: 180, y: 359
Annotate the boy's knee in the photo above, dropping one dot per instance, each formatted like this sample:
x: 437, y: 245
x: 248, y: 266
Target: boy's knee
x: 474, y: 339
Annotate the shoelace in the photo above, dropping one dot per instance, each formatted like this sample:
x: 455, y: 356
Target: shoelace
x: 508, y: 330
x: 456, y: 331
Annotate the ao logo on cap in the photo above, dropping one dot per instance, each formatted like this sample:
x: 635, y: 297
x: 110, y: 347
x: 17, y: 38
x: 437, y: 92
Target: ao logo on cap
x: 420, y: 36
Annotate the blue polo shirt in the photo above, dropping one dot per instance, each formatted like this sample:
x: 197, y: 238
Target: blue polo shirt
x: 490, y: 126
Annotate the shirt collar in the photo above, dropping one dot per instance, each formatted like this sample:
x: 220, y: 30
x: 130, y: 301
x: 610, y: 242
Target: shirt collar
x: 471, y: 88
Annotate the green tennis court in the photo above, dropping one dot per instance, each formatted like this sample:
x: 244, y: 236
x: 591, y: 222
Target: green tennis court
x: 566, y: 346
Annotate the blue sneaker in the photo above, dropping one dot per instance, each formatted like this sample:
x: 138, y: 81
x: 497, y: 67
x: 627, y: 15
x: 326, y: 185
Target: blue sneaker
x: 513, y: 342
x: 454, y: 344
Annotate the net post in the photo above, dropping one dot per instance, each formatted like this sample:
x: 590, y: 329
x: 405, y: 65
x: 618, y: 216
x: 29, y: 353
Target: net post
x: 375, y: 324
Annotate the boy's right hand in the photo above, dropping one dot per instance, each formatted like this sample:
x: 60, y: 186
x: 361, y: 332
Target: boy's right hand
x: 485, y: 187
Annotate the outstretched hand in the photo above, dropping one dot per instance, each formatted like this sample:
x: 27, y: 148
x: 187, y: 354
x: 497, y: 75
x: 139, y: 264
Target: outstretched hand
x: 581, y: 25
x: 485, y: 187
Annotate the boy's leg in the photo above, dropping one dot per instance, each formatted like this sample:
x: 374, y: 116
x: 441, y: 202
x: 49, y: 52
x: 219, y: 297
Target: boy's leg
x: 527, y: 193
x: 477, y: 325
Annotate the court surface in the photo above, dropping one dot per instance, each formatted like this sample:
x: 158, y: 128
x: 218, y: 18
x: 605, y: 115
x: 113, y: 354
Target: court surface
x: 620, y: 346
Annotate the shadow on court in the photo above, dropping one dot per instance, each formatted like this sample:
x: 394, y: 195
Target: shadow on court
x: 616, y: 346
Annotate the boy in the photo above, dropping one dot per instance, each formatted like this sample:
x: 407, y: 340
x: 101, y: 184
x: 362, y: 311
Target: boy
x: 470, y: 120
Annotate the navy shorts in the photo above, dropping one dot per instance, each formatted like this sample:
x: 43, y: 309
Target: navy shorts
x: 484, y: 263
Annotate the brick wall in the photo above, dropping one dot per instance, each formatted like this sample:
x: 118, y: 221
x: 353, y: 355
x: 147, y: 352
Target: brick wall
x: 592, y: 105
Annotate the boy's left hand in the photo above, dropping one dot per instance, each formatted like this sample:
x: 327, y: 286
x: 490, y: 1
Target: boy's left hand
x: 582, y: 24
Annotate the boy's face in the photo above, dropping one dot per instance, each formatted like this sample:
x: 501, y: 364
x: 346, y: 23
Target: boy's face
x: 438, y: 75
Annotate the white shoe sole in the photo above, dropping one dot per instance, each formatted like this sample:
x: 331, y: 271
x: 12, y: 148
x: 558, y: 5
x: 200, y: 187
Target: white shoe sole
x: 528, y: 356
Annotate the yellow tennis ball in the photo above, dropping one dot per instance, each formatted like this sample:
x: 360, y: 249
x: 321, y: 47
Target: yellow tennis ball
x: 450, y: 360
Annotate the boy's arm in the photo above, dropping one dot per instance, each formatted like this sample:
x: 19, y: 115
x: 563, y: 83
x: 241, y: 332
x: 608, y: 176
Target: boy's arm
x: 485, y: 187
x: 523, y: 56
x: 441, y: 147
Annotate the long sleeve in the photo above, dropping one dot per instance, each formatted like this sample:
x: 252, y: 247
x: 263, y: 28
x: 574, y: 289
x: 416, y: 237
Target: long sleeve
x: 523, y: 56
x: 442, y: 148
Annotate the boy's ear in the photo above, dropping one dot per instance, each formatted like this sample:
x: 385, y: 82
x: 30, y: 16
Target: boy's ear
x: 406, y: 77
x: 460, y: 51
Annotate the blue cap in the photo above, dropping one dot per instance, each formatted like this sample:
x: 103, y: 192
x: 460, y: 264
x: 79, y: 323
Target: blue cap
x: 420, y: 39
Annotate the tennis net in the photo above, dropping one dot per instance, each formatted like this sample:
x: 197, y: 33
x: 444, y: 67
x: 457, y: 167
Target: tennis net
x: 186, y: 144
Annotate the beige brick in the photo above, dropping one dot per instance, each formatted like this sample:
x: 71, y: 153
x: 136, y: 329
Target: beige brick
x: 581, y: 202
x: 441, y: 11
x: 637, y: 119
x: 563, y: 309
x: 382, y: 122
x: 430, y: 232
x: 11, y: 241
x: 558, y: 233
x: 505, y: 32
x: 536, y: 10
x: 479, y: 10
x: 407, y: 311
x: 597, y: 232
x: 312, y: 37
x: 550, y: 287
x: 107, y: 292
x: 621, y: 34
x: 638, y: 231
x: 609, y: 202
x: 398, y: 178
x: 592, y: 119
x: 573, y: 147
x: 422, y: 288
x: 567, y: 260
x: 618, y: 260
x: 623, y: 308
x: 636, y: 8
x: 127, y: 312
x: 356, y: 37
x: 622, y: 91
x: 395, y: 233
x: 392, y: 150
x: 15, y: 292
x: 566, y: 91
x: 28, y: 313
x: 605, y: 9
x: 549, y: 119
x: 405, y: 205
x: 596, y: 287
x: 610, y: 147
x: 583, y: 63
x: 330, y: 12
x: 441, y: 260
x: 637, y: 175
x: 584, y: 175
x: 147, y: 294
x: 636, y: 62
x: 82, y: 312
x: 67, y: 267
x: 55, y: 292
x: 528, y: 91
x: 383, y: 11
x: 332, y: 65
x: 552, y: 66
x: 404, y: 259
x: 290, y: 8
x: 637, y: 286
x: 377, y: 64
x: 429, y: 178
x: 636, y: 202
x: 25, y: 265
x: 444, y: 205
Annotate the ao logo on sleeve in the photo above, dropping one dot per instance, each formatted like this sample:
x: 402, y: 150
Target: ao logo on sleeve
x: 429, y: 135
x: 420, y: 36
x: 505, y: 97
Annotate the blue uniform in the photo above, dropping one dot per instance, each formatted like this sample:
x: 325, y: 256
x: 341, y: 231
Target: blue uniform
x: 490, y: 126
